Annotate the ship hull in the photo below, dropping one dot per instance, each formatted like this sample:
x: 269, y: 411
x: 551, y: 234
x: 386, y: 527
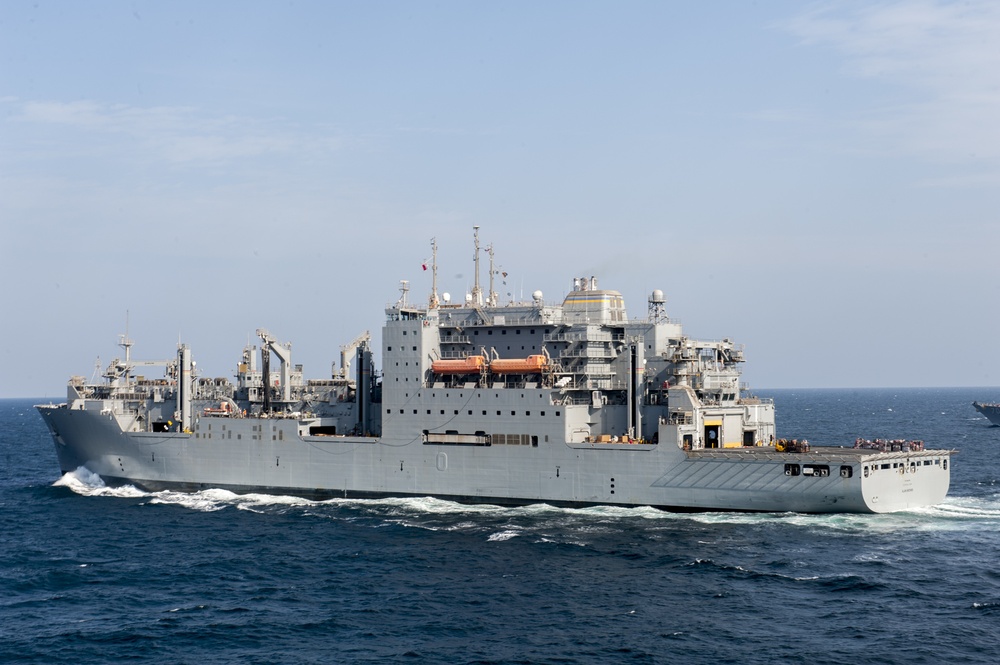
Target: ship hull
x: 991, y: 411
x: 271, y: 456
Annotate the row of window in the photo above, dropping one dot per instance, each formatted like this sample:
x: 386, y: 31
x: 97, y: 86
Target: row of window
x: 523, y: 348
x: 902, y: 468
x: 255, y: 428
x: 478, y: 395
x: 489, y: 331
x: 846, y: 471
x: 499, y: 412
x: 816, y: 470
x: 239, y: 437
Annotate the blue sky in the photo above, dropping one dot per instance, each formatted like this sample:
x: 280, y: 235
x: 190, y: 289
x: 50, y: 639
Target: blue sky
x: 816, y: 181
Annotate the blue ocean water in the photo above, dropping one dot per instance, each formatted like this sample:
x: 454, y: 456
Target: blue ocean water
x: 90, y: 574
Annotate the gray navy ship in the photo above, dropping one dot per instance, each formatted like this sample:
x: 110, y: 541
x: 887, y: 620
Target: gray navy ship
x: 990, y: 410
x: 569, y: 404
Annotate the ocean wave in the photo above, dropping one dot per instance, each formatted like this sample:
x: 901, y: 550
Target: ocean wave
x: 844, y: 581
x: 207, y: 501
x: 438, y: 514
x: 85, y: 482
x: 503, y: 535
x: 211, y: 500
x: 963, y: 509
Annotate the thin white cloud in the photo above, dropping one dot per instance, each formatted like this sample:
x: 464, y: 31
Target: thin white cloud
x: 178, y: 135
x: 942, y: 55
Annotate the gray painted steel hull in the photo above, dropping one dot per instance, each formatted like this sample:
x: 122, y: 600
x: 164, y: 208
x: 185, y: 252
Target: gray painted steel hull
x: 243, y: 459
x: 991, y: 411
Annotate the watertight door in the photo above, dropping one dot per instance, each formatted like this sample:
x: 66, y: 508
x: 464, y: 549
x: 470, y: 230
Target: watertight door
x: 712, y: 436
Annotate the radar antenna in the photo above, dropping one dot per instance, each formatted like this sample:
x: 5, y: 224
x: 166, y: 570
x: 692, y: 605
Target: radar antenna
x: 657, y: 313
x: 404, y: 288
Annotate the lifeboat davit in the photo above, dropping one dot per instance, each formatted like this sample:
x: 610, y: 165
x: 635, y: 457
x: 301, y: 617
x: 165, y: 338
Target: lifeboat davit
x: 470, y: 365
x: 529, y: 365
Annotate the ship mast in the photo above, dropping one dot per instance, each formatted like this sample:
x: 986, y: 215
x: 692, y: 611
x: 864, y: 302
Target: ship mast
x: 492, y: 300
x: 126, y: 343
x: 477, y: 292
x: 434, y: 275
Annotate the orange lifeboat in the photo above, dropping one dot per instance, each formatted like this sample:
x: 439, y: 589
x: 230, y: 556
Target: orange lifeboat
x: 470, y: 365
x: 529, y: 365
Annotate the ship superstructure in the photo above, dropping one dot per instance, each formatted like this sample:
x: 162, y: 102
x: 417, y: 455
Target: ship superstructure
x: 569, y: 403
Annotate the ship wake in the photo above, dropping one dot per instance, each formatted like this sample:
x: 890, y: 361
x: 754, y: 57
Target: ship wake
x: 504, y: 523
x: 85, y: 482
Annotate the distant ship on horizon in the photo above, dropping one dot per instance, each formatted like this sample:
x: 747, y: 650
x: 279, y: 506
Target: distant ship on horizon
x: 989, y: 409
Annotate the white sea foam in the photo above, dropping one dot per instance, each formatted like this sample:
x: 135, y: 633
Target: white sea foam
x: 503, y: 535
x: 258, y: 503
x: 204, y: 501
x: 211, y: 500
x: 962, y: 508
x: 85, y: 482
x: 953, y: 513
